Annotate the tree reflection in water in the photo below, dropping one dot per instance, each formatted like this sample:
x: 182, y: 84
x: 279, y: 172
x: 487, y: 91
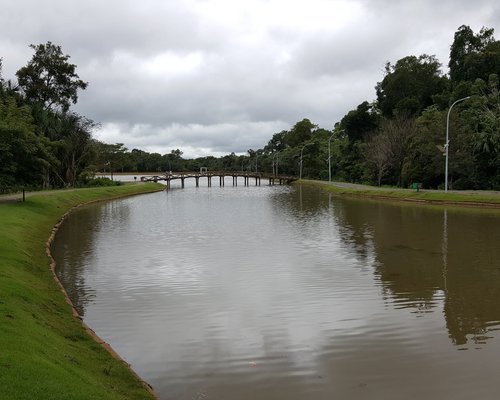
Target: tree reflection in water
x: 425, y: 253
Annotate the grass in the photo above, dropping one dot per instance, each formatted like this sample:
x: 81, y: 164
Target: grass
x: 465, y: 198
x: 45, y: 352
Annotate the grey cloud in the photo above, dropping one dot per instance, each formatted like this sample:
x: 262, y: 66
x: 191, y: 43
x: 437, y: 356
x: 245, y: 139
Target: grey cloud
x: 218, y: 138
x: 164, y: 75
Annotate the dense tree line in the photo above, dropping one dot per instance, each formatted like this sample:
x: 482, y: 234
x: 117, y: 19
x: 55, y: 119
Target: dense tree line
x: 395, y: 140
x: 42, y: 143
x: 399, y: 138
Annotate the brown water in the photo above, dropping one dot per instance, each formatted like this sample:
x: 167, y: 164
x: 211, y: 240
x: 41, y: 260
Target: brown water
x: 289, y: 293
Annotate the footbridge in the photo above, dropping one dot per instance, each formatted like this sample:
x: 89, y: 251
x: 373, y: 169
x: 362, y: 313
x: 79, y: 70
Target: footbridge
x: 168, y: 177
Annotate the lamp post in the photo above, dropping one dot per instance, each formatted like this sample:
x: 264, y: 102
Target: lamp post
x: 301, y: 151
x: 447, y: 144
x: 329, y: 155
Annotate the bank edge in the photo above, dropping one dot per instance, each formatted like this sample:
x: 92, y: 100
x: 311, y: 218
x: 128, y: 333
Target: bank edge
x: 46, y: 352
x: 466, y: 199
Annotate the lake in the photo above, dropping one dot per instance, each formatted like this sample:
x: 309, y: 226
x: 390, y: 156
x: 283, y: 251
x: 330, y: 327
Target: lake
x: 288, y: 292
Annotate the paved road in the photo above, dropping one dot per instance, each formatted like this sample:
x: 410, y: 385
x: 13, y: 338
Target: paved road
x: 15, y: 197
x: 11, y: 198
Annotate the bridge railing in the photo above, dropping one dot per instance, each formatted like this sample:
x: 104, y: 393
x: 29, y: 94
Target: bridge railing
x: 244, y: 174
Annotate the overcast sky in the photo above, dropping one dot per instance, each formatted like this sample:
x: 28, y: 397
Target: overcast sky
x: 215, y: 76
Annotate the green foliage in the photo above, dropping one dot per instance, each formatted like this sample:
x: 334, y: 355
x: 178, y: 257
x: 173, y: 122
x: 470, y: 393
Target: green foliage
x: 49, y: 79
x: 43, y: 144
x: 100, y: 182
x: 472, y: 55
x: 361, y: 122
x: 483, y: 118
x: 23, y: 154
x: 409, y: 86
x: 300, y: 133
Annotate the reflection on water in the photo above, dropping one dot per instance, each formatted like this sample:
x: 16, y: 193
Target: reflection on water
x: 290, y: 293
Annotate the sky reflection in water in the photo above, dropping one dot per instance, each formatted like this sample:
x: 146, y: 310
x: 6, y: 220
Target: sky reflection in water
x: 289, y: 293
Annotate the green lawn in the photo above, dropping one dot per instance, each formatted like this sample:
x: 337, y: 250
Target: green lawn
x: 45, y: 352
x: 461, y: 198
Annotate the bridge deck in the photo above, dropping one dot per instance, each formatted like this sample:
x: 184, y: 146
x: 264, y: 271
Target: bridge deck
x: 170, y: 176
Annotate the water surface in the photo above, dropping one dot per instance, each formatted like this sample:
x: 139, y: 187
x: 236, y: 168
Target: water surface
x: 289, y: 293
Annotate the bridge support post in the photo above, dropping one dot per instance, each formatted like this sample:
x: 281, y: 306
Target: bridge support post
x: 209, y: 181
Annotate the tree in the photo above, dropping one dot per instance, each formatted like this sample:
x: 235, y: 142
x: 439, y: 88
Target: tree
x: 173, y: 161
x: 409, y: 86
x: 113, y: 157
x: 467, y: 47
x: 23, y: 154
x: 395, y: 138
x: 7, y: 87
x: 483, y: 117
x: 377, y: 152
x: 300, y: 133
x: 277, y: 142
x: 76, y: 147
x: 49, y: 79
x: 360, y: 122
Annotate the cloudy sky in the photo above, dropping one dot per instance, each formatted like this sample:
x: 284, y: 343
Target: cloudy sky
x: 216, y: 76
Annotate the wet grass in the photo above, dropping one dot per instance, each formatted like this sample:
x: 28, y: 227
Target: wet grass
x: 45, y: 352
x: 465, y: 198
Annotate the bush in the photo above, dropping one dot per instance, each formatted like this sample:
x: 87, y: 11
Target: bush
x: 98, y: 182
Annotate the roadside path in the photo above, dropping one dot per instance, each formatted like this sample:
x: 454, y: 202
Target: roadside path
x: 11, y: 197
x: 18, y: 197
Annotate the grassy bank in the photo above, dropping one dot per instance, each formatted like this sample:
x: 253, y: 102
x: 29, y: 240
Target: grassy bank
x: 460, y: 198
x: 45, y: 352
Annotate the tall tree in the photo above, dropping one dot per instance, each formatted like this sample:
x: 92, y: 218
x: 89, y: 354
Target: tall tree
x: 409, y: 86
x: 277, y: 142
x: 360, y: 122
x: 49, y: 78
x: 483, y: 117
x: 76, y: 147
x: 300, y: 133
x: 397, y: 134
x: 377, y: 152
x: 22, y: 153
x: 465, y: 50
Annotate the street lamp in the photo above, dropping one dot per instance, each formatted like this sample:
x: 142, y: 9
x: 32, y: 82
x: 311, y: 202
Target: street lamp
x: 447, y: 144
x: 301, y: 151
x: 329, y: 155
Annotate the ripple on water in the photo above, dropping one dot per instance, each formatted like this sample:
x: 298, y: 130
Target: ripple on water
x: 283, y: 293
